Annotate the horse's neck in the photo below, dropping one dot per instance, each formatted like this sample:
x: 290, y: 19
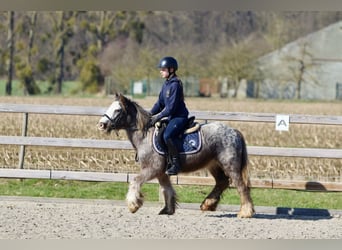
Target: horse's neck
x: 136, y: 137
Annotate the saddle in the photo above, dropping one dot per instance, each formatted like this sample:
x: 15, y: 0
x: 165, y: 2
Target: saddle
x: 189, y: 142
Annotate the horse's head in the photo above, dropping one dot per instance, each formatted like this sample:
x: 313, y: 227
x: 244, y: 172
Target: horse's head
x: 123, y: 114
x: 116, y: 116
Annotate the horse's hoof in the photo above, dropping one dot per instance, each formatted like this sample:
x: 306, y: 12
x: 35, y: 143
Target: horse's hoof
x: 166, y: 211
x: 133, y: 202
x: 209, y: 205
x: 241, y: 216
x: 246, y: 211
x: 133, y: 208
x: 245, y: 215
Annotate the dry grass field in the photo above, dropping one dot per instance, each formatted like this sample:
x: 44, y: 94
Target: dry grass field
x: 256, y: 134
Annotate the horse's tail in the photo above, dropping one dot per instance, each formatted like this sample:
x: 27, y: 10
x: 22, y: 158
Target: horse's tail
x: 244, y: 161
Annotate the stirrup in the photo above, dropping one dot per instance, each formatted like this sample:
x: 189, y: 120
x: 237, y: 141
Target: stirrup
x: 172, y: 170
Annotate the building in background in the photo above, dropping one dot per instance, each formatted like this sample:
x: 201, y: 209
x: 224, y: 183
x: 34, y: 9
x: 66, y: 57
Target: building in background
x: 308, y: 68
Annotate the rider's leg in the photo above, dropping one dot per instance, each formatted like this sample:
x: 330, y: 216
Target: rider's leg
x: 173, y: 129
x: 174, y: 157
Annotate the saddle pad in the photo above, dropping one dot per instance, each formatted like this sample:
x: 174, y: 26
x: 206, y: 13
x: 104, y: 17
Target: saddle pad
x: 186, y: 143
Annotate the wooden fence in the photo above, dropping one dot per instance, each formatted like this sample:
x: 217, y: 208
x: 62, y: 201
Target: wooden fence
x: 24, y: 140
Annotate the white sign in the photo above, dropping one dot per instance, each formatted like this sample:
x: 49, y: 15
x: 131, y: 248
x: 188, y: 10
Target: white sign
x: 138, y: 88
x: 282, y: 122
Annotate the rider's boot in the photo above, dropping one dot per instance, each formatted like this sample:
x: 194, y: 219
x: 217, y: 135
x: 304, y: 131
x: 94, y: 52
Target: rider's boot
x: 174, y: 158
x: 168, y: 160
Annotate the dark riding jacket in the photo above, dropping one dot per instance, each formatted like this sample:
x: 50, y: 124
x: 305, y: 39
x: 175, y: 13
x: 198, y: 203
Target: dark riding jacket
x: 170, y: 103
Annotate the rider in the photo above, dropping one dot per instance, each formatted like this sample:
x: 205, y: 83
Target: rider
x: 171, y: 105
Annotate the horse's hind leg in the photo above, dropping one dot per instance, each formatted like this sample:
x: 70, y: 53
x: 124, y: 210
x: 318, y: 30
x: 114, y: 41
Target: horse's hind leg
x: 241, y: 182
x: 169, y: 195
x: 222, y: 182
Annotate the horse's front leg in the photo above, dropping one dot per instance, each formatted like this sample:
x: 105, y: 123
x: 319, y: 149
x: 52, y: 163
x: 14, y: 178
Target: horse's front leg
x: 169, y: 195
x: 134, y: 197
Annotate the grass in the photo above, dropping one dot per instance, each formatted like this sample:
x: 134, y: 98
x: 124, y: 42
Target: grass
x: 186, y: 194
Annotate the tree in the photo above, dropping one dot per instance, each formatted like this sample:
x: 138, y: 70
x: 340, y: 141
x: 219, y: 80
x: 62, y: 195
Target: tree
x: 276, y: 30
x: 105, y: 27
x: 24, y: 68
x: 10, y: 46
x: 127, y: 62
x: 236, y: 62
x: 101, y: 25
x: 63, y: 22
x: 90, y: 73
x: 299, y: 66
x: 33, y: 22
x: 59, y: 44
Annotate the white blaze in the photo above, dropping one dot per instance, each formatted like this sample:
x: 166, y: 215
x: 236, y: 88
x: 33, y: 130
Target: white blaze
x: 110, y: 111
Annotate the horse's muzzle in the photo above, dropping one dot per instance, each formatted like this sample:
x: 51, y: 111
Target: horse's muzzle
x: 102, y: 126
x: 105, y: 126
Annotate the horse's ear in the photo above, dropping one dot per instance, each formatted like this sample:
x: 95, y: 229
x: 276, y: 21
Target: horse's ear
x: 117, y: 95
x: 123, y: 100
x: 120, y: 97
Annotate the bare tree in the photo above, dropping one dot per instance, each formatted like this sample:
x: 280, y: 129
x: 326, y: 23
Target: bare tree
x: 299, y: 67
x: 33, y: 22
x: 63, y: 22
x: 24, y: 66
x: 102, y: 25
x: 10, y: 46
x: 236, y: 62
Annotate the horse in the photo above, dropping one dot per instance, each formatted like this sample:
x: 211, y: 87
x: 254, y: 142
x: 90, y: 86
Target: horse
x: 223, y: 152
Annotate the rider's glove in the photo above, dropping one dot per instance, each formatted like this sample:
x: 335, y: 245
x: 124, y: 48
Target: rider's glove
x: 154, y: 120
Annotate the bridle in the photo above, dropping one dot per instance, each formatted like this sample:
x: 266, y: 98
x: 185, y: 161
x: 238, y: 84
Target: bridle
x: 116, y: 120
x: 109, y: 118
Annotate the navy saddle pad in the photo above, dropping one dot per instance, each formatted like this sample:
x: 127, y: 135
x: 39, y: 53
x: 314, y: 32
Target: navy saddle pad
x: 186, y: 143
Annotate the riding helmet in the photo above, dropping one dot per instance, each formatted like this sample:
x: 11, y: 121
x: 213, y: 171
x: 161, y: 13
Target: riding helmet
x: 168, y: 62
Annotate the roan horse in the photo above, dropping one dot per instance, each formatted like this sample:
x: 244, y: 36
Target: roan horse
x: 223, y: 152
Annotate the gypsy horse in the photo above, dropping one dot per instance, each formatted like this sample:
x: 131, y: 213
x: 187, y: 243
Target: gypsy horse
x: 223, y: 152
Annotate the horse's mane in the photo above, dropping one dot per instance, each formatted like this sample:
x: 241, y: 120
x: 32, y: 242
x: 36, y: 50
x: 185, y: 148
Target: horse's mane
x: 142, y: 116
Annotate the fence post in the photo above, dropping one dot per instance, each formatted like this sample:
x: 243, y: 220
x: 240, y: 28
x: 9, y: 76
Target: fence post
x: 22, y: 147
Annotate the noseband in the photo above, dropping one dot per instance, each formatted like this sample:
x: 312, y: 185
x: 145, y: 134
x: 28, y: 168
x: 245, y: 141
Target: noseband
x: 114, y: 122
x: 107, y: 116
